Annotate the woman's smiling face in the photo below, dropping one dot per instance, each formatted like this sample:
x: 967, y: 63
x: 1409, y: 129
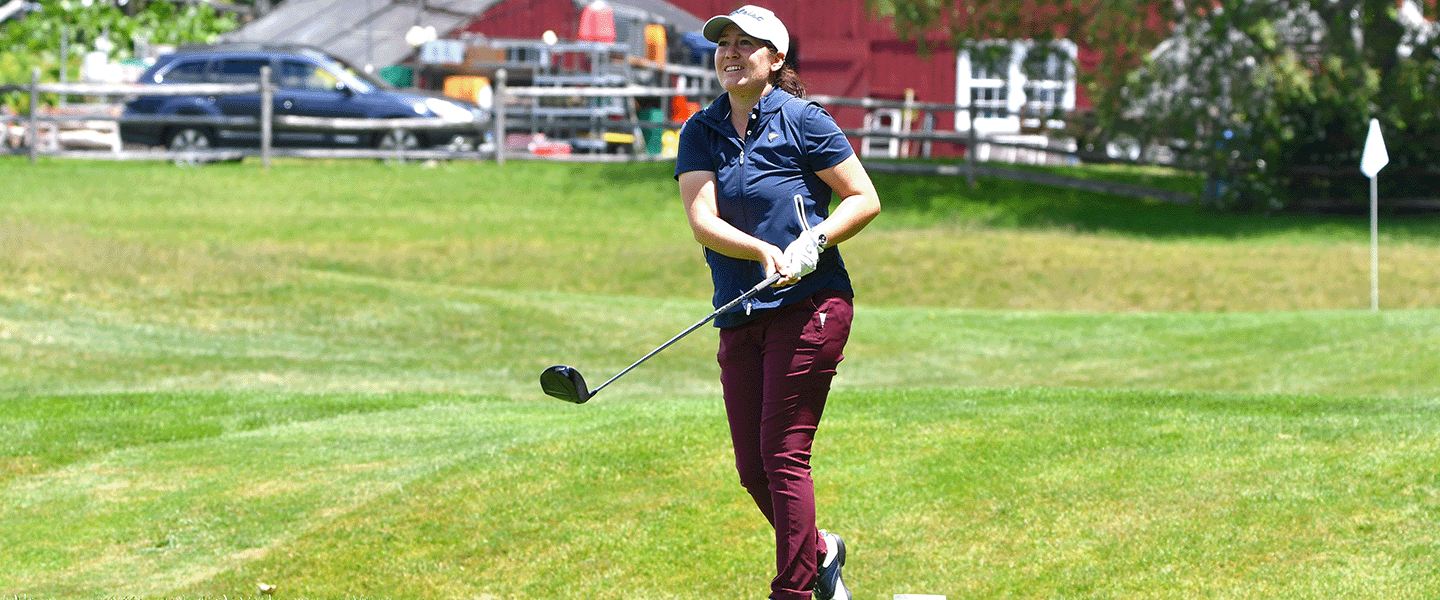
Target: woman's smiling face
x: 743, y: 62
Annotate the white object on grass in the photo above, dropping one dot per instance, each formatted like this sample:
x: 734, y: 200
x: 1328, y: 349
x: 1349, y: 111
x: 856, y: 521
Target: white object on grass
x: 1372, y: 160
x: 1375, y: 156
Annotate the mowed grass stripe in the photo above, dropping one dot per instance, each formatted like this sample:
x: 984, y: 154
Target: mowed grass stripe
x: 1323, y: 352
x: 618, y: 229
x: 363, y: 334
x: 972, y: 493
x: 150, y: 518
x: 1007, y: 269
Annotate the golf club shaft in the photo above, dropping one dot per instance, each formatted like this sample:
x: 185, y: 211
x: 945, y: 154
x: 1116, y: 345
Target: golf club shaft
x: 769, y: 281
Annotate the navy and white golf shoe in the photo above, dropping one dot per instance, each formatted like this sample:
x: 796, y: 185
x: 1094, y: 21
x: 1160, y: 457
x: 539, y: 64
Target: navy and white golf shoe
x: 829, y: 586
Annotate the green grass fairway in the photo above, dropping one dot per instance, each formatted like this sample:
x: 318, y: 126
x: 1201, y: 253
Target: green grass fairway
x: 324, y: 377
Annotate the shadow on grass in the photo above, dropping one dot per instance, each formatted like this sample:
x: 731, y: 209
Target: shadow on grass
x: 1009, y: 204
x: 1001, y: 203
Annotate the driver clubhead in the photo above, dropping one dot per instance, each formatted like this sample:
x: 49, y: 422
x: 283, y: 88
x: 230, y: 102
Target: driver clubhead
x: 564, y: 383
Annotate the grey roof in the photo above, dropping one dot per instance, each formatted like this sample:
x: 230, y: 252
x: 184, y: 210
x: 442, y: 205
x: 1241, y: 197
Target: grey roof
x: 372, y: 32
x: 363, y: 32
x: 655, y: 11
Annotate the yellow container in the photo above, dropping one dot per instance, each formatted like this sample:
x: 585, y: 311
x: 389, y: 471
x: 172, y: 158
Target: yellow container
x: 655, y: 43
x: 465, y: 87
x: 619, y: 138
x: 670, y: 143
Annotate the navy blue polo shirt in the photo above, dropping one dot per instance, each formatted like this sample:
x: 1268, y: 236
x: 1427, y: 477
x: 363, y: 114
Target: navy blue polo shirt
x: 757, y: 177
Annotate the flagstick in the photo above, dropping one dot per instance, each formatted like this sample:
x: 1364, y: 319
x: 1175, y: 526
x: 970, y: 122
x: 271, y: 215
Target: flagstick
x: 1374, y: 247
x: 1372, y: 160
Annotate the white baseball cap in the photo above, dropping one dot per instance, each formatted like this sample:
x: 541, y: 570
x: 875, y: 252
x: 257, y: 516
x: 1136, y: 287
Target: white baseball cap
x: 756, y: 22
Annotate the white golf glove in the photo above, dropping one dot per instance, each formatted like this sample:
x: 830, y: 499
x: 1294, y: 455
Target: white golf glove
x: 804, y: 253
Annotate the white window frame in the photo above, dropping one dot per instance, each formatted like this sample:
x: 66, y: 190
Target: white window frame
x: 1003, y: 116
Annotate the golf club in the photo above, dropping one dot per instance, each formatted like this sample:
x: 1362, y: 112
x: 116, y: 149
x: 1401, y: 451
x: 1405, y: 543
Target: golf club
x: 566, y: 383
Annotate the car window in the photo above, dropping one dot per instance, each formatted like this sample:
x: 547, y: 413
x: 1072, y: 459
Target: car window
x: 297, y: 75
x: 185, y: 71
x: 353, y: 79
x: 241, y: 70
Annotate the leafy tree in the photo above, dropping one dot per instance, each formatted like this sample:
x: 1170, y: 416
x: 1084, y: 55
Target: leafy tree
x: 1272, y: 98
x: 1275, y: 97
x: 1114, y: 35
x: 34, y: 40
x: 158, y: 22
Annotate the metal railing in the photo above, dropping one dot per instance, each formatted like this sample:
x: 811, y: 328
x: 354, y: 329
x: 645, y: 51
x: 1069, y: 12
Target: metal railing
x: 505, y: 116
x: 512, y: 111
x: 267, y: 122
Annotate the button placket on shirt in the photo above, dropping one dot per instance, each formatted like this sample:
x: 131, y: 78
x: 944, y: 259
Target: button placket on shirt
x: 745, y: 147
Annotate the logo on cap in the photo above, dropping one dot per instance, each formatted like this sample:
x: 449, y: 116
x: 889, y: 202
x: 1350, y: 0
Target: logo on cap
x: 745, y: 10
x: 762, y: 24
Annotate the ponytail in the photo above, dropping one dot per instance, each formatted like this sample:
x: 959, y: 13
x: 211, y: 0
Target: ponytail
x: 789, y: 80
x: 786, y: 78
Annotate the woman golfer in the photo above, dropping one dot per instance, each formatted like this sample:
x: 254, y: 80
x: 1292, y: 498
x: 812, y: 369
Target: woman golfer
x: 756, y: 171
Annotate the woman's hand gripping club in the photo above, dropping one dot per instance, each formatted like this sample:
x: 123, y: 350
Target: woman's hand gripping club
x: 803, y: 254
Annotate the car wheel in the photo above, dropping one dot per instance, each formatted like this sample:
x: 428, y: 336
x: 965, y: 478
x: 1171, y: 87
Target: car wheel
x: 186, y: 142
x: 398, y: 142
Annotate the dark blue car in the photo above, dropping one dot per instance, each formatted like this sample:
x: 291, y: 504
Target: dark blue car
x: 308, y: 83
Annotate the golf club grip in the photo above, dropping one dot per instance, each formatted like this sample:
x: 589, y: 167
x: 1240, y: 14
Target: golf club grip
x: 769, y: 281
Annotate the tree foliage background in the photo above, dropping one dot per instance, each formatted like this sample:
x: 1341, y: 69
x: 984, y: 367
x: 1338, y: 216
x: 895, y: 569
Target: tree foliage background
x: 34, y: 40
x: 1271, y: 98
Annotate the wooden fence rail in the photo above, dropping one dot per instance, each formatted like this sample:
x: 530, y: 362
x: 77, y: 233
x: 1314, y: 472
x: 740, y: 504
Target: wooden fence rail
x: 265, y: 122
x: 507, y: 116
x: 516, y: 114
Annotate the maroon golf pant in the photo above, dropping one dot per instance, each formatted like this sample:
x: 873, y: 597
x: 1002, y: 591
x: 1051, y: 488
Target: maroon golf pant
x: 776, y: 373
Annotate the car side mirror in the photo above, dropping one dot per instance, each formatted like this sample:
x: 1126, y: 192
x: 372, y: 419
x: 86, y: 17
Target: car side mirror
x: 344, y: 89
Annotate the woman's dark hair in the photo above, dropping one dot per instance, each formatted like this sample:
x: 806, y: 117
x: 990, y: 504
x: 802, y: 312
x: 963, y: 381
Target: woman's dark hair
x: 787, y: 78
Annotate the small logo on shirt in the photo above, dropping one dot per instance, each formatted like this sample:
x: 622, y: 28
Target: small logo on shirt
x: 773, y: 136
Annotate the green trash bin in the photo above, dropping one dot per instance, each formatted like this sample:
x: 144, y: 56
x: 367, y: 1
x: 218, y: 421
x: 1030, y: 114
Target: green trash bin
x: 398, y: 75
x: 653, y: 135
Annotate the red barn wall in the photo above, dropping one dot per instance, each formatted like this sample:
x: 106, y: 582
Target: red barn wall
x: 528, y: 19
x: 842, y: 50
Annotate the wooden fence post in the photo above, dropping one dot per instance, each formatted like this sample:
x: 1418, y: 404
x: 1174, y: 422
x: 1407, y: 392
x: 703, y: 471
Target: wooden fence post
x: 906, y: 117
x: 34, y: 114
x: 500, y: 80
x: 972, y: 149
x: 928, y: 127
x: 267, y: 115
